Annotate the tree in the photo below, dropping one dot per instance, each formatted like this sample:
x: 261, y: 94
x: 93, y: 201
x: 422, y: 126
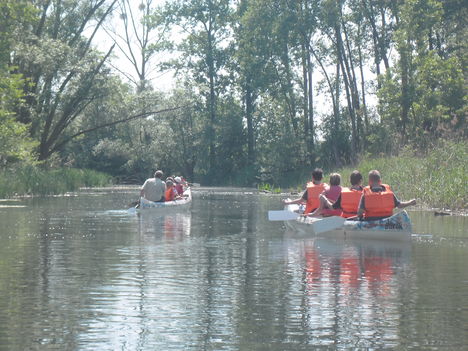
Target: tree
x: 143, y: 36
x: 204, y: 50
x: 62, y: 69
x: 425, y: 89
x: 14, y: 141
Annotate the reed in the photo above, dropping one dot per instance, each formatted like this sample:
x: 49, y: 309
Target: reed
x: 32, y: 180
x: 436, y: 178
x: 268, y: 188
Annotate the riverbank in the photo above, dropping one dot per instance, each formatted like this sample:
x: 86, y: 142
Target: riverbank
x: 437, y: 179
x: 32, y: 180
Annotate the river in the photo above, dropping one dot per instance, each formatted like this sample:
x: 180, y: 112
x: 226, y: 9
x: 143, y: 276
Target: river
x: 80, y: 272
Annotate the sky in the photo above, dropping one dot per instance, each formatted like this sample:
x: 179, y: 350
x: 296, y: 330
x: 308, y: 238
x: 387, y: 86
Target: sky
x: 166, y: 81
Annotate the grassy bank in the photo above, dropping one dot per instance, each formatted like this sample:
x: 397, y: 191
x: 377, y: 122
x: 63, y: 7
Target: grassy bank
x: 437, y: 178
x: 31, y: 180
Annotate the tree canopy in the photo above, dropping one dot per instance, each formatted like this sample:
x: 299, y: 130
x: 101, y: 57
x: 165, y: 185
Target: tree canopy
x: 265, y: 89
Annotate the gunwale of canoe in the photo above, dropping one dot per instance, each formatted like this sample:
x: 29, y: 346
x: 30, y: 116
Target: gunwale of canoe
x: 149, y: 206
x: 349, y: 230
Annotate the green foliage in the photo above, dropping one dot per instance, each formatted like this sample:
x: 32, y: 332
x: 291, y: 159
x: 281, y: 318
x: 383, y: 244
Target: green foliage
x: 15, y: 143
x: 268, y: 89
x: 269, y: 188
x: 32, y: 180
x: 437, y: 178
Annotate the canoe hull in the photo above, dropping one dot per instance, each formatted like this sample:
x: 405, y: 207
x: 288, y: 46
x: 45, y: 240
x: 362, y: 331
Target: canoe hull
x: 397, y: 227
x: 168, y: 206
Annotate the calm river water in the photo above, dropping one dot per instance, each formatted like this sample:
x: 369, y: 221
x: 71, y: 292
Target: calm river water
x: 82, y: 273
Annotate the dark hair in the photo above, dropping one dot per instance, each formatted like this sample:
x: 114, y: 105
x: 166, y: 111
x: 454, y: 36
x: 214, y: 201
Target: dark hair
x: 317, y: 174
x: 158, y: 174
x: 335, y: 179
x: 355, y: 178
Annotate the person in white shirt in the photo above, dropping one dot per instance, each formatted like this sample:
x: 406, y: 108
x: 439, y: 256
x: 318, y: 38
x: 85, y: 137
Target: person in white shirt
x: 154, y: 188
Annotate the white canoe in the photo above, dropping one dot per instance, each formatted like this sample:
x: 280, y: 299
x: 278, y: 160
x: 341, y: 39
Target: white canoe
x: 185, y: 202
x: 397, y: 227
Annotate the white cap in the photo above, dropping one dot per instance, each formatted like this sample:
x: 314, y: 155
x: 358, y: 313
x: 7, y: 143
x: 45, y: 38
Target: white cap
x: 177, y: 179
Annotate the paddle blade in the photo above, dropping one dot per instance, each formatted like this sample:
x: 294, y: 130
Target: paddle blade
x: 282, y: 215
x: 327, y: 223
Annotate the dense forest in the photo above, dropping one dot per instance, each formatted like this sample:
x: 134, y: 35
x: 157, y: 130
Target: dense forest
x: 265, y: 89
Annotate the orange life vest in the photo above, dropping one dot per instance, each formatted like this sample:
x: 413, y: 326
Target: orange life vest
x: 169, y: 195
x: 378, y: 204
x: 350, y: 202
x: 313, y: 192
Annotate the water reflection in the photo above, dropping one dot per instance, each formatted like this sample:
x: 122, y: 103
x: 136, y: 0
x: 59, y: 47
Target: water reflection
x: 349, y: 289
x: 84, y: 273
x: 173, y: 226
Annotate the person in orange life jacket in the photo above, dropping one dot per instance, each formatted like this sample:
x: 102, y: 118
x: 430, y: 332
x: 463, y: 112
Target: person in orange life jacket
x: 171, y: 192
x: 311, y: 195
x: 328, y: 197
x: 378, y: 201
x: 348, y: 201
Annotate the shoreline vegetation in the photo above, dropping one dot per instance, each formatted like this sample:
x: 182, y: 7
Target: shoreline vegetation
x: 437, y: 178
x: 32, y: 180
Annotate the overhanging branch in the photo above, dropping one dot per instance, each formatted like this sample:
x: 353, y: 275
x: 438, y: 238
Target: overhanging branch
x: 109, y: 124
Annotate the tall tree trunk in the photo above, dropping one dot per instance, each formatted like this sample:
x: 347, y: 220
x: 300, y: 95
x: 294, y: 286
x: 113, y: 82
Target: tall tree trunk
x: 305, y: 97
x: 363, y: 87
x: 348, y: 59
x: 352, y: 113
x: 249, y: 108
x: 405, y: 93
x: 311, y: 105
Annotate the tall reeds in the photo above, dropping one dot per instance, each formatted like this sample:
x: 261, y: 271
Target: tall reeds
x: 32, y: 180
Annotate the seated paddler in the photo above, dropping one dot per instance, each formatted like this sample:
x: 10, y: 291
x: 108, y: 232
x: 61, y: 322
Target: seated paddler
x: 310, y: 197
x: 348, y: 201
x: 378, y: 200
x: 153, y: 189
x: 171, y: 193
x: 328, y: 197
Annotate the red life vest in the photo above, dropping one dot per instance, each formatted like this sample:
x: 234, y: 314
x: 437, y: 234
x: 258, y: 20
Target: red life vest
x: 169, y: 195
x: 313, y: 193
x: 350, y: 202
x: 378, y: 204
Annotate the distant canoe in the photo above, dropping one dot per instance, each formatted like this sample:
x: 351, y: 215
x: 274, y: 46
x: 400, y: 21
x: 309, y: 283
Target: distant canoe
x: 397, y: 227
x: 185, y: 202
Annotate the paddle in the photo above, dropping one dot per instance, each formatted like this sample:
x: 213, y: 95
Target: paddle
x: 320, y: 225
x: 282, y: 215
x: 135, y: 204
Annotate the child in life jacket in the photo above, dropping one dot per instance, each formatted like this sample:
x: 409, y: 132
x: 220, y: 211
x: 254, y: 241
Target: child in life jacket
x: 348, y: 201
x: 328, y: 197
x: 171, y: 192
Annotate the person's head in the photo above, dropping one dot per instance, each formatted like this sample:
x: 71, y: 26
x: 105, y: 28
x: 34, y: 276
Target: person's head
x: 177, y: 179
x: 158, y: 174
x: 317, y: 174
x: 355, y: 178
x: 169, y: 183
x: 374, y: 177
x: 335, y: 179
